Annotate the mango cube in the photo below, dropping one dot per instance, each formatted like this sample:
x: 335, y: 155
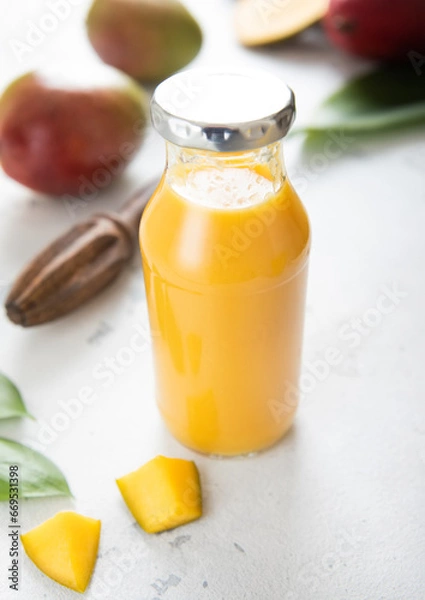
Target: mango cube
x: 65, y: 548
x: 163, y: 494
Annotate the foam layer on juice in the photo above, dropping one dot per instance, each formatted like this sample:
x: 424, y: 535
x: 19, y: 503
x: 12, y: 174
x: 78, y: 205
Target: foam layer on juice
x: 224, y: 188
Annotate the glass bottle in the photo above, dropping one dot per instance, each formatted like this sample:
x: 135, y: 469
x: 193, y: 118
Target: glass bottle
x: 225, y: 243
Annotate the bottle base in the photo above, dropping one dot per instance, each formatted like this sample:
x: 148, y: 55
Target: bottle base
x: 220, y: 454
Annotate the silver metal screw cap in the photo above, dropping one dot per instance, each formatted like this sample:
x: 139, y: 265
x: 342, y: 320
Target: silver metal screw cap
x: 223, y: 110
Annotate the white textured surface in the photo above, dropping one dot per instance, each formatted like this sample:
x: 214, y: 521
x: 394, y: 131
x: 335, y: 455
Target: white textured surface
x: 336, y: 511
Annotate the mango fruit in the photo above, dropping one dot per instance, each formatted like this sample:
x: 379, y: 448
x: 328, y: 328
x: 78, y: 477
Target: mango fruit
x: 63, y: 135
x: 147, y: 39
x: 377, y: 29
x: 65, y: 548
x: 260, y: 22
x: 163, y: 494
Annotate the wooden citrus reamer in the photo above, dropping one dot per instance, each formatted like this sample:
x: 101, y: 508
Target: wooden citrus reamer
x: 77, y: 265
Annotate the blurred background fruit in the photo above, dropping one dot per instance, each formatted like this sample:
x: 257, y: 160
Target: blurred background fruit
x: 61, y: 134
x: 260, y: 22
x: 377, y: 29
x: 148, y: 39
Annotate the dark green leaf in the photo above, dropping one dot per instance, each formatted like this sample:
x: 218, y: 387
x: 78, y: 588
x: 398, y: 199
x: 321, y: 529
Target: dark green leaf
x: 11, y: 403
x: 385, y: 98
x: 38, y: 476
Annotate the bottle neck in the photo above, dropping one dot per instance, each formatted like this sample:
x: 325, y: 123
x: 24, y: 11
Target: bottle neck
x: 228, y: 178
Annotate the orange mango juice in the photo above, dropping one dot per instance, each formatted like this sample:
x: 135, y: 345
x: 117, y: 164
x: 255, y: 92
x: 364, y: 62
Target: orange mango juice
x: 225, y: 266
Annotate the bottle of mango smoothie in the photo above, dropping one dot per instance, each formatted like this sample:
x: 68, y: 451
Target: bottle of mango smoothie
x: 225, y: 243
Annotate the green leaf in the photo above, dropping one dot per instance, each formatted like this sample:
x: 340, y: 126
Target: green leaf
x: 11, y: 403
x: 382, y: 99
x: 38, y: 476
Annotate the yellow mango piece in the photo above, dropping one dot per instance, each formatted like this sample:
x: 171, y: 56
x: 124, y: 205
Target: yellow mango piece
x: 265, y: 21
x: 163, y: 494
x: 65, y: 548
